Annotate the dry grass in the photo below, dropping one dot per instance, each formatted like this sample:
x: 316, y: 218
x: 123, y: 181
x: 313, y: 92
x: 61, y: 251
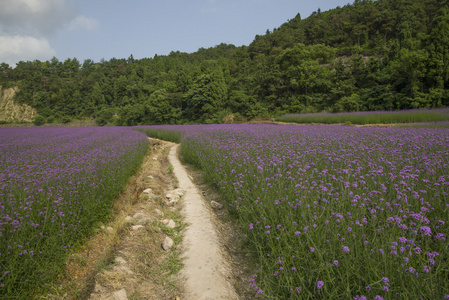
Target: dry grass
x: 92, y: 267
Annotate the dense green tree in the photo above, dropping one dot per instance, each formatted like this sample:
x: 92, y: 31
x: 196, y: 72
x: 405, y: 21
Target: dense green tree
x: 208, y: 94
x: 161, y: 111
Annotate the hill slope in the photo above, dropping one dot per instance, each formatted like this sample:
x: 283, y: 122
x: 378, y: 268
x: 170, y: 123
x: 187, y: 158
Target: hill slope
x: 371, y: 55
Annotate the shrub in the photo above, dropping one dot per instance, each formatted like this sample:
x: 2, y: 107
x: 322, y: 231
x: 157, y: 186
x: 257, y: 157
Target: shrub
x: 39, y: 120
x: 66, y: 120
x: 50, y: 119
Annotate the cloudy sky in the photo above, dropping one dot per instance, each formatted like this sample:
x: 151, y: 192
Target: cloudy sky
x: 96, y: 29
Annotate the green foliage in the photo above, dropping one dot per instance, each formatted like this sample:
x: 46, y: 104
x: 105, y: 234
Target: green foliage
x: 161, y: 108
x: 51, y: 119
x: 105, y: 117
x: 208, y: 93
x: 66, y: 120
x: 39, y: 120
x: 131, y: 115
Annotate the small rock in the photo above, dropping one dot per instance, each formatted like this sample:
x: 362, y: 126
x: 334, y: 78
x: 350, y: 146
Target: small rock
x: 144, y: 221
x: 138, y: 215
x: 150, y: 176
x: 216, y: 205
x: 109, y: 229
x: 136, y: 227
x: 120, y: 295
x: 165, y: 221
x: 103, y: 228
x: 98, y: 288
x: 167, y: 243
x: 147, y: 191
x: 122, y: 269
x: 128, y: 219
x: 173, y: 202
x: 120, y: 260
x: 171, y: 224
x: 178, y: 192
x: 159, y: 212
x: 154, y: 158
x: 175, y: 194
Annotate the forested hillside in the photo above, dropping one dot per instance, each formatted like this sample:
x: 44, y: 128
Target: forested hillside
x: 371, y: 55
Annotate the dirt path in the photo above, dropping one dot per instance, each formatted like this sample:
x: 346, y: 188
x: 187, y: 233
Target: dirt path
x: 205, y: 271
x: 161, y: 243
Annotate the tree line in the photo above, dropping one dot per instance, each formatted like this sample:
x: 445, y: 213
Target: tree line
x: 369, y: 55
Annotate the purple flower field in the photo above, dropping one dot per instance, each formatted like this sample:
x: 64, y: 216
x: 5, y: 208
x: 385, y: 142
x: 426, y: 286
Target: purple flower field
x: 55, y: 185
x: 333, y: 212
x: 437, y: 115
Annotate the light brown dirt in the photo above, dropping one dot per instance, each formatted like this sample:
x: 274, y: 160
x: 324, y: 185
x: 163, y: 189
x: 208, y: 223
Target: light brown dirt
x: 206, y: 272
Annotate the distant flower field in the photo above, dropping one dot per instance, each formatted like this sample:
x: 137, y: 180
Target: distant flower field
x: 333, y: 212
x: 438, y: 115
x: 55, y: 184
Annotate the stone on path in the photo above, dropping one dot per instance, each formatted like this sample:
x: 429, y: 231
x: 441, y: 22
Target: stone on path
x: 174, y: 194
x: 120, y: 260
x: 167, y: 243
x: 120, y: 295
x: 171, y: 224
x: 147, y: 191
x: 136, y: 227
x: 144, y: 221
x: 216, y: 205
x: 138, y: 215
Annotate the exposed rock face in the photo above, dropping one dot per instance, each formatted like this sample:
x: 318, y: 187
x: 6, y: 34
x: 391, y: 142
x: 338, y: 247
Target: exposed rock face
x: 12, y: 112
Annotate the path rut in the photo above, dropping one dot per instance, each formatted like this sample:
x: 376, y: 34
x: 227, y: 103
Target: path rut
x: 206, y: 271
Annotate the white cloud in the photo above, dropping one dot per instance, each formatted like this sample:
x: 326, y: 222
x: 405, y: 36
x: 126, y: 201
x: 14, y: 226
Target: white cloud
x: 16, y: 48
x: 34, y: 17
x: 83, y: 22
x: 27, y: 25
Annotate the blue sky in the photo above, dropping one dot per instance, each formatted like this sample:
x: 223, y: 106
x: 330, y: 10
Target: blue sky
x: 96, y: 29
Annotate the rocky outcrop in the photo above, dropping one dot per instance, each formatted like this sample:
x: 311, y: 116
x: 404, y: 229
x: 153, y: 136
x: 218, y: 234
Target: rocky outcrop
x: 12, y: 112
